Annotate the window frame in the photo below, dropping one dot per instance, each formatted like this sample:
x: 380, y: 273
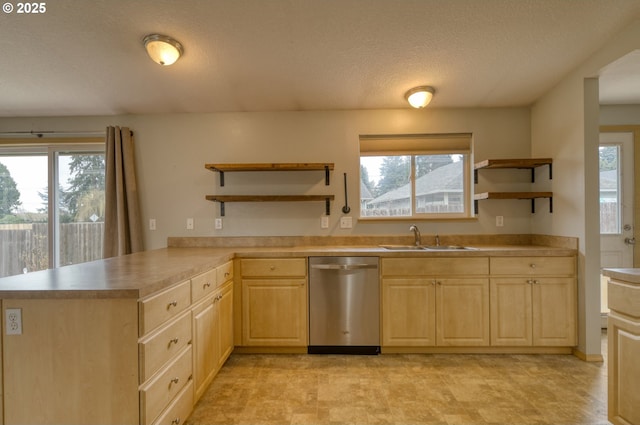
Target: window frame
x: 52, y: 148
x: 415, y: 145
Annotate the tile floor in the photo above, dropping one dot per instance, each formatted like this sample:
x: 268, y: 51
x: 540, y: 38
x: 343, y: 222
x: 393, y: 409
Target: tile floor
x: 406, y: 389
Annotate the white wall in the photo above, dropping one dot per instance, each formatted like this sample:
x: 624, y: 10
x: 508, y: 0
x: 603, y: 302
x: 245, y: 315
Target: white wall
x: 620, y: 115
x: 564, y: 126
x: 172, y: 150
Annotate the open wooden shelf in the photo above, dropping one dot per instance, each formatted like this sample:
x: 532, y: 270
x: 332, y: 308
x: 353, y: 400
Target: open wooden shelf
x: 522, y: 163
x: 514, y: 195
x: 291, y: 166
x: 271, y: 198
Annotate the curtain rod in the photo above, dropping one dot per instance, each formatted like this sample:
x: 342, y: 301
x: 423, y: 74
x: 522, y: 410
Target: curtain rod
x: 51, y: 133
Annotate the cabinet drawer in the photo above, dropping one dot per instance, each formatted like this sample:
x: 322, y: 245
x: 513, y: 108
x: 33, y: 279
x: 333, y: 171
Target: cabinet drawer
x: 157, y: 393
x: 225, y: 272
x: 203, y: 284
x: 274, y: 267
x: 156, y: 349
x: 179, y: 409
x: 161, y: 307
x: 435, y: 266
x: 624, y: 297
x: 533, y: 266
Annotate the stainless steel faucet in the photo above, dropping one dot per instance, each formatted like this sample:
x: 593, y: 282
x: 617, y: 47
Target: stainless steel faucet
x: 416, y: 233
x: 437, y: 240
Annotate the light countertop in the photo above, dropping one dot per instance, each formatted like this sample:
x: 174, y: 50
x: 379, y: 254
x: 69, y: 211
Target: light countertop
x: 138, y: 275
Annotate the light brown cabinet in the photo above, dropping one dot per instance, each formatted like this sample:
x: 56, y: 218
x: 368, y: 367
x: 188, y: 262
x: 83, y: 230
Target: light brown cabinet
x: 274, y: 302
x: 533, y: 301
x: 435, y: 301
x: 116, y: 360
x: 624, y: 350
x: 212, y: 321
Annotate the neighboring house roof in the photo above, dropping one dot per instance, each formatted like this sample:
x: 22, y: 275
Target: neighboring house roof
x: 609, y: 180
x: 443, y: 179
x: 365, y: 193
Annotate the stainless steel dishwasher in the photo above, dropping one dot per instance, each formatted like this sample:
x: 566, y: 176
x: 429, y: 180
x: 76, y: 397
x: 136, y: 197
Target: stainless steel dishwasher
x: 344, y: 305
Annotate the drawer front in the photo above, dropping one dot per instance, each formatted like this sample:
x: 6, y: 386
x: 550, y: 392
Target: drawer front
x: 180, y: 409
x: 158, y: 348
x: 163, y: 306
x: 274, y: 267
x: 203, y: 285
x: 533, y: 266
x: 156, y: 394
x: 624, y: 297
x: 225, y: 272
x: 426, y: 266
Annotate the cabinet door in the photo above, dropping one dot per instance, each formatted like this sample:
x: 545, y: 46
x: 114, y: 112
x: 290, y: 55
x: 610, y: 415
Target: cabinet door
x: 224, y: 319
x: 274, y: 312
x: 205, y: 355
x: 408, y: 312
x: 462, y: 311
x: 554, y: 312
x: 511, y: 311
x: 623, y: 370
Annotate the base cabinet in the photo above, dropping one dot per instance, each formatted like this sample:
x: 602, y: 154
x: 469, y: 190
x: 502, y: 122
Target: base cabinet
x: 213, y: 336
x: 117, y: 360
x: 274, y: 302
x: 533, y: 301
x: 422, y: 308
x: 538, y: 312
x: 623, y: 333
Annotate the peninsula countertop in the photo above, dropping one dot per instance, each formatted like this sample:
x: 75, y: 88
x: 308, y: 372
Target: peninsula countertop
x: 141, y: 274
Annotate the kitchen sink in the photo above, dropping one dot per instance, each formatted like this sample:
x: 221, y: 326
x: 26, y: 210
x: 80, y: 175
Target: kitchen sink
x: 403, y: 247
x: 427, y: 247
x: 447, y: 248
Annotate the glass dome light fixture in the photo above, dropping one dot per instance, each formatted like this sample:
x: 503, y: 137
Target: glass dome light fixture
x: 419, y: 97
x: 162, y: 49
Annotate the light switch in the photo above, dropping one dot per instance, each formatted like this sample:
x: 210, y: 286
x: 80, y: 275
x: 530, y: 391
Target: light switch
x: 324, y: 222
x: 189, y: 224
x: 346, y: 223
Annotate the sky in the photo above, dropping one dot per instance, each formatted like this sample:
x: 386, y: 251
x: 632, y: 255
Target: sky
x: 30, y: 175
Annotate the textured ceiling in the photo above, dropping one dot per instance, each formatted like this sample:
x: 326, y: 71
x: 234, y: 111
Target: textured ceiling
x: 86, y: 57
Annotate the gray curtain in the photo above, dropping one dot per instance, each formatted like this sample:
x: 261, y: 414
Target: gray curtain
x: 122, y: 226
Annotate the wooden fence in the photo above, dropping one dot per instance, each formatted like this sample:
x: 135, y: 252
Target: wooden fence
x: 24, y: 247
x: 609, y: 217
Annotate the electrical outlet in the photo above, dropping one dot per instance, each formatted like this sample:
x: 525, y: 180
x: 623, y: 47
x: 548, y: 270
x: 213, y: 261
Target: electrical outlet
x: 346, y: 222
x: 218, y: 224
x: 324, y: 222
x: 189, y: 224
x: 499, y: 221
x: 14, y: 321
x: 152, y: 224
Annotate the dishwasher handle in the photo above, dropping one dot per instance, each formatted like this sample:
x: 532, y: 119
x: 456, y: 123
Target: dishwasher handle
x: 343, y: 266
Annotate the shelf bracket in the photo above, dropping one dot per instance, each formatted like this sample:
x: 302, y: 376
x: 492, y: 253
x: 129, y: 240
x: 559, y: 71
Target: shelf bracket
x: 326, y: 175
x: 221, y: 178
x: 475, y: 206
x: 533, y: 205
x: 550, y: 171
x: 221, y: 209
x: 475, y: 176
x: 327, y: 206
x: 533, y: 175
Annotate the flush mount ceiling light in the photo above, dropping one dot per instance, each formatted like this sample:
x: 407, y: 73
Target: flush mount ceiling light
x: 419, y: 97
x: 162, y: 49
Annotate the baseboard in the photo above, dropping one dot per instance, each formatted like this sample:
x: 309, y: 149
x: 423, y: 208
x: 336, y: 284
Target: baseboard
x: 588, y: 357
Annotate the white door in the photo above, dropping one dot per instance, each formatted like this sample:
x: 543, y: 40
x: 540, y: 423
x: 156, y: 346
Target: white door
x: 616, y: 205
